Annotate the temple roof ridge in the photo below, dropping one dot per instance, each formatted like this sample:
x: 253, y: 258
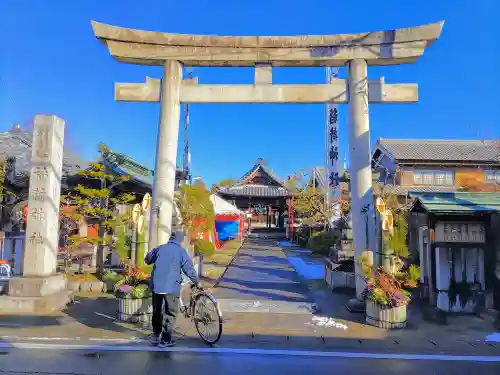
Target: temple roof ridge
x: 261, y: 164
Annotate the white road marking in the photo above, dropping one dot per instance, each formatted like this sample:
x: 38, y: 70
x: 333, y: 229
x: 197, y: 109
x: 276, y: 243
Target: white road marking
x: 282, y: 352
x: 98, y: 339
x: 493, y: 337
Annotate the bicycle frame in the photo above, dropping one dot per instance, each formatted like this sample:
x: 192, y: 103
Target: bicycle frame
x: 188, y: 310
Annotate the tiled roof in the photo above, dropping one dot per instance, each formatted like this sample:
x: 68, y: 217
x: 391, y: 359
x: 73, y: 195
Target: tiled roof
x: 257, y: 190
x: 402, y: 190
x: 260, y: 164
x: 443, y: 150
x: 125, y: 165
x: 253, y: 190
x: 17, y: 143
x: 460, y: 203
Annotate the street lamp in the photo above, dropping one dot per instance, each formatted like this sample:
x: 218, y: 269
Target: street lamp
x: 138, y: 218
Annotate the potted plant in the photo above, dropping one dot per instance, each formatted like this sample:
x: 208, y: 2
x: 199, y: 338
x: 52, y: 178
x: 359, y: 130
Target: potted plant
x: 387, y: 293
x: 110, y: 278
x: 134, y: 296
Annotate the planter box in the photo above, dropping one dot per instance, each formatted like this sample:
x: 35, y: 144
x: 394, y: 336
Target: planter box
x: 339, y: 279
x: 135, y: 310
x: 383, y: 317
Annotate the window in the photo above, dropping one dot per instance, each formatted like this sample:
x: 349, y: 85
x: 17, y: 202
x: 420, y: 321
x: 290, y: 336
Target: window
x: 440, y: 178
x: 417, y: 178
x: 448, y: 178
x: 427, y: 177
x: 492, y: 177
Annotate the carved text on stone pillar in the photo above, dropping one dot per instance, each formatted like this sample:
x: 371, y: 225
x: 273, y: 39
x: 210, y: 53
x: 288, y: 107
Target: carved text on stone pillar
x: 37, y: 214
x: 41, y: 173
x: 38, y: 194
x: 42, y: 222
x: 36, y: 239
x: 42, y: 143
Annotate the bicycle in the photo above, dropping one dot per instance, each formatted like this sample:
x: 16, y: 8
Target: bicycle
x: 203, y: 310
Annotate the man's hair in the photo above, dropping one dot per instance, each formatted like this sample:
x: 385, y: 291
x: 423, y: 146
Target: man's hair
x: 177, y: 236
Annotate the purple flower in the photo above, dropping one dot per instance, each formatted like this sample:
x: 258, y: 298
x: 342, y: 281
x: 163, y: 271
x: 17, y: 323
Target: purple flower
x: 398, y: 298
x: 125, y: 288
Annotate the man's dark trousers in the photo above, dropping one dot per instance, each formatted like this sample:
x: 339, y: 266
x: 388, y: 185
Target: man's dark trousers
x: 165, y: 309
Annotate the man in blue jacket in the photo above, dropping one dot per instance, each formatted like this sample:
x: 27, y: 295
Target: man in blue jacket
x: 169, y: 262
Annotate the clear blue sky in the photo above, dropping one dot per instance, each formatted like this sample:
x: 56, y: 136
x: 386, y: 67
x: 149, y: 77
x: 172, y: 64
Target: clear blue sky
x: 51, y: 63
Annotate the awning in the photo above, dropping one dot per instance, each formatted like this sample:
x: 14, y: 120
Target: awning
x: 458, y: 202
x: 221, y: 206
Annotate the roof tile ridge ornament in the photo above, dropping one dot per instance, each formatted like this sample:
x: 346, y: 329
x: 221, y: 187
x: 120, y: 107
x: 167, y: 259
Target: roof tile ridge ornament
x: 19, y: 132
x: 123, y: 160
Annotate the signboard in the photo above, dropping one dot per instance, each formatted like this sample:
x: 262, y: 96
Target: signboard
x: 332, y: 145
x: 461, y: 232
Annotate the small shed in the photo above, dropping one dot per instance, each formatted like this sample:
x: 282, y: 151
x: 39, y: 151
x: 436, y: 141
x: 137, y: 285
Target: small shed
x: 459, y: 249
x: 228, y: 220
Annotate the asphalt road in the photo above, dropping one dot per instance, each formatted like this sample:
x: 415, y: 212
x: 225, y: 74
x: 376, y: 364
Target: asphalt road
x: 61, y: 362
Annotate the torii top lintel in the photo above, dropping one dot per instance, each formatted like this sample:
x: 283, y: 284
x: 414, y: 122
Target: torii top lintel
x: 391, y: 47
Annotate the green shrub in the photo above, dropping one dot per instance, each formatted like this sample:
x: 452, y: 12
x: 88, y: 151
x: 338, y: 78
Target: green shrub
x: 141, y: 291
x: 303, y: 235
x: 111, y: 276
x: 321, y: 242
x: 204, y: 247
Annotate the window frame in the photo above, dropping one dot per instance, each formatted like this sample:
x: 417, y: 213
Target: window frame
x: 429, y: 177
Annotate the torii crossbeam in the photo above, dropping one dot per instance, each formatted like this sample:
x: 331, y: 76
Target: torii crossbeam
x: 265, y: 93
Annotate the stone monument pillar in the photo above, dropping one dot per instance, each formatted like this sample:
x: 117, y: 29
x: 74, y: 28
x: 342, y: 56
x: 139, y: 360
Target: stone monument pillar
x: 360, y: 165
x: 40, y: 288
x: 162, y: 205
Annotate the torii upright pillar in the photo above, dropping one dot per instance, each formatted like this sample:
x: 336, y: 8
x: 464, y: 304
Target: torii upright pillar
x: 360, y: 169
x: 160, y: 223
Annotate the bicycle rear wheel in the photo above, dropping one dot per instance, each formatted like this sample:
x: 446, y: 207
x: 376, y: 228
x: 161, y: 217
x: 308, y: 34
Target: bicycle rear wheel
x: 207, y: 318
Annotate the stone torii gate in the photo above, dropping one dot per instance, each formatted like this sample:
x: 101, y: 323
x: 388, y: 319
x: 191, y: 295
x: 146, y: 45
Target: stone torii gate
x: 356, y: 51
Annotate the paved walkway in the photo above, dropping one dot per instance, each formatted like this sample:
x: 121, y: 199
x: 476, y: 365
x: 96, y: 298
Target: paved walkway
x: 260, y: 279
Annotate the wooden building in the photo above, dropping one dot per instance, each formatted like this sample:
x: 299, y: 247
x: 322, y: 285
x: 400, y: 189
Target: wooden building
x: 260, y: 193
x: 405, y: 166
x: 459, y: 249
x: 15, y: 149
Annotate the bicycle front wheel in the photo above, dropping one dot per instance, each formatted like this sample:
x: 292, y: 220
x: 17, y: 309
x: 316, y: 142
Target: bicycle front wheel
x: 207, y: 318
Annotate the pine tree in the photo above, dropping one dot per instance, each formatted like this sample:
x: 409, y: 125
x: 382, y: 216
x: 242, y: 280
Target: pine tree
x: 95, y: 203
x: 309, y: 202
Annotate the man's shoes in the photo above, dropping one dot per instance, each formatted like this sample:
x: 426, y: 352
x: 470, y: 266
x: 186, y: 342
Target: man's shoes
x: 166, y: 344
x: 154, y: 339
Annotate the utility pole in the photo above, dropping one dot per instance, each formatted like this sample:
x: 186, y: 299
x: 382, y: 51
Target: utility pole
x: 186, y: 162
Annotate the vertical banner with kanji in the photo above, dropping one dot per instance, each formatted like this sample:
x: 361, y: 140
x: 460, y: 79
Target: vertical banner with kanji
x: 332, y: 147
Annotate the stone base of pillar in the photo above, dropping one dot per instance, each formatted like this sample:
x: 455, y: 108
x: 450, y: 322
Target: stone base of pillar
x: 36, y: 295
x: 354, y: 305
